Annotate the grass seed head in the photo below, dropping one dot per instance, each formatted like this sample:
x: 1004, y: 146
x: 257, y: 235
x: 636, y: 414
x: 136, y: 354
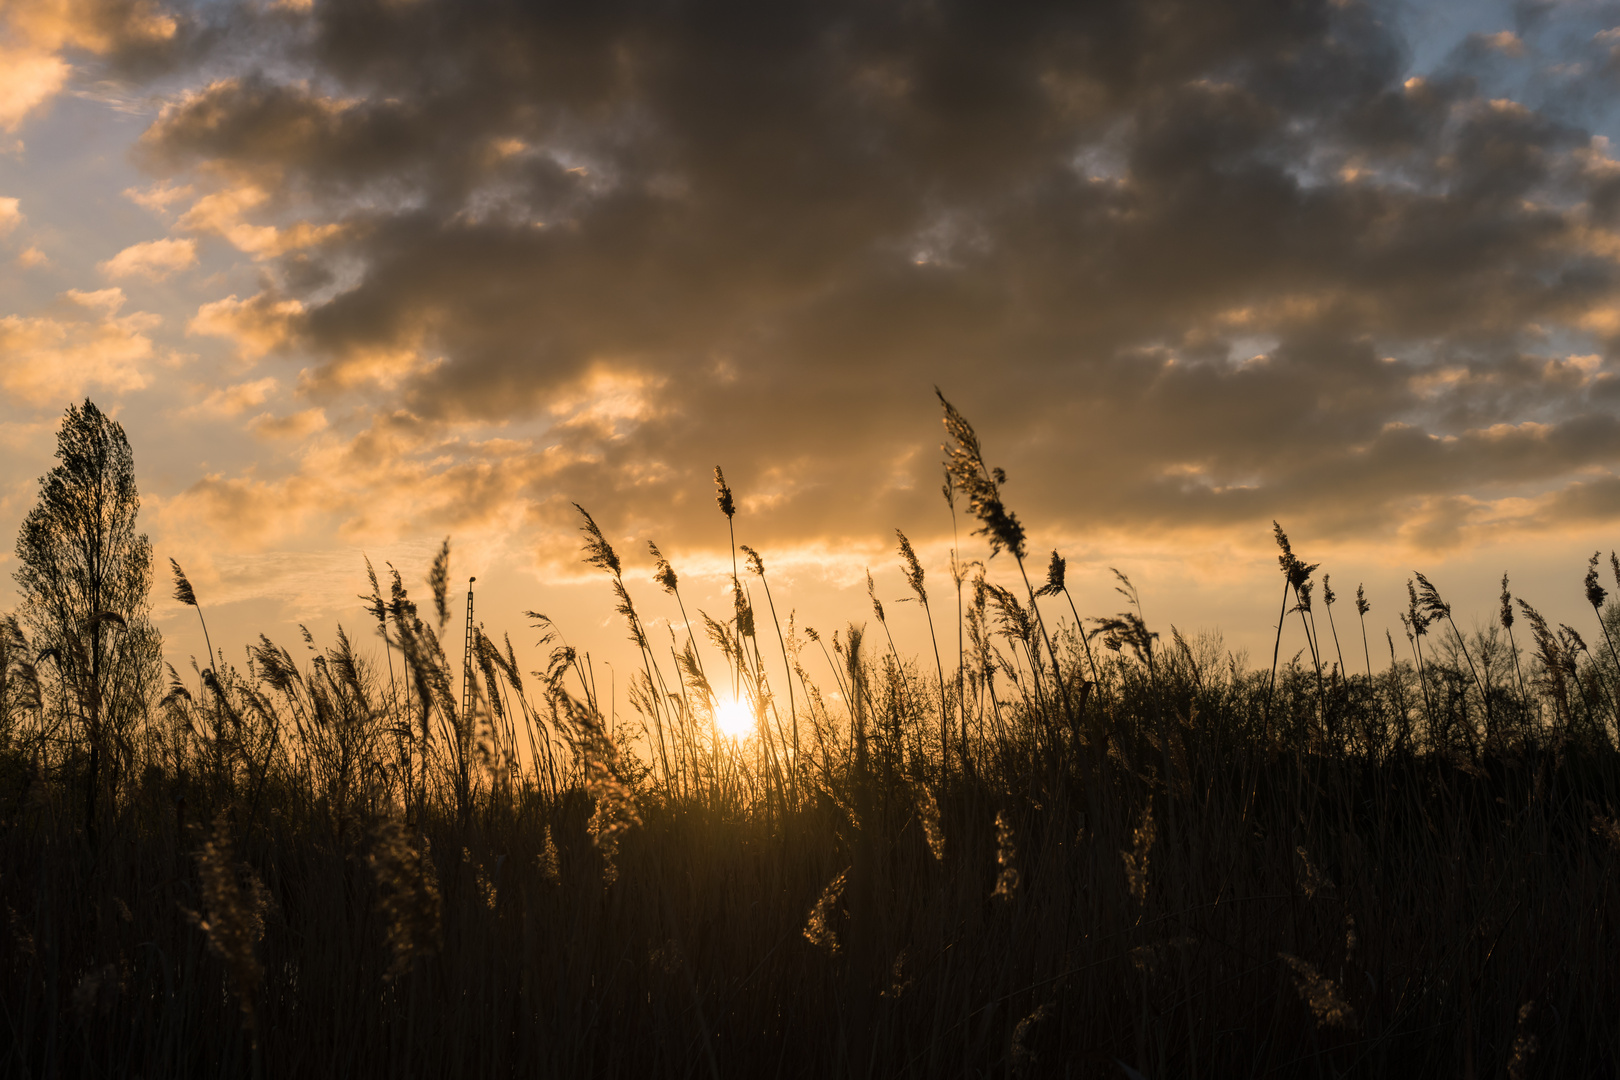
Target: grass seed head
x: 1054, y: 576
x: 1311, y: 879
x: 1007, y: 880
x: 819, y: 927
x: 912, y: 568
x: 1525, y: 1044
x: 1136, y: 860
x: 233, y: 918
x: 439, y: 582
x: 182, y: 588
x: 663, y: 573
x: 1595, y: 593
x: 722, y: 495
x: 409, y: 905
x: 964, y: 464
x: 1319, y: 992
x: 928, y: 816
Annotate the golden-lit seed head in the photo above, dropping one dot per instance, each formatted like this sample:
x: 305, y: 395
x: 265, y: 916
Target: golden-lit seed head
x: 409, y: 906
x: 1006, y: 858
x: 819, y: 927
x: 1525, y: 1044
x: 550, y: 870
x: 1136, y: 860
x: 1320, y: 993
x: 233, y: 918
x: 1311, y: 879
x: 928, y: 816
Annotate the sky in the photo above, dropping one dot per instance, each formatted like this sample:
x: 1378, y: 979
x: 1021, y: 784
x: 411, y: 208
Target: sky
x: 357, y: 275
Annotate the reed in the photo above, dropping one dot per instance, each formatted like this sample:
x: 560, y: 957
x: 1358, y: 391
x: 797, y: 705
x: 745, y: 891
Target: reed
x: 319, y: 863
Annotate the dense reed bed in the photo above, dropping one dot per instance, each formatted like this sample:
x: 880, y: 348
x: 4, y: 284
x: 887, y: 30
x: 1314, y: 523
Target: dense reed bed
x: 1050, y: 846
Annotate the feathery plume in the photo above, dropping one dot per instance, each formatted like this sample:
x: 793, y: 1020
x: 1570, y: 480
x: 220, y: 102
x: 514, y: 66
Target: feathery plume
x: 408, y: 902
x: 722, y: 496
x: 1054, y: 576
x: 1319, y: 992
x: 1525, y: 1044
x: 818, y: 928
x: 982, y: 485
x: 928, y: 816
x: 1006, y: 858
x: 871, y: 591
x: 182, y: 588
x: 663, y: 573
x: 233, y: 918
x: 1595, y: 593
x: 1506, y: 615
x: 439, y: 582
x: 1311, y: 879
x: 1136, y: 861
x: 913, y: 568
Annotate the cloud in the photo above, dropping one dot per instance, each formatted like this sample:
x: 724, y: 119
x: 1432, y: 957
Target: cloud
x: 10, y: 214
x: 257, y: 325
x: 31, y: 257
x: 27, y: 80
x: 237, y: 399
x: 298, y: 425
x: 158, y: 197
x: 87, y: 346
x: 1187, y: 265
x: 153, y: 260
x: 36, y: 34
x: 222, y: 213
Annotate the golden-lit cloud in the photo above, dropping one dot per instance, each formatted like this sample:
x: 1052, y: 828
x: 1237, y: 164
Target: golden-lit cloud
x: 236, y: 399
x: 87, y: 346
x: 256, y: 325
x: 28, y: 79
x: 10, y: 214
x: 35, y: 34
x: 1189, y: 267
x: 153, y: 259
x: 298, y: 425
x: 31, y: 257
x: 222, y: 213
x: 159, y: 197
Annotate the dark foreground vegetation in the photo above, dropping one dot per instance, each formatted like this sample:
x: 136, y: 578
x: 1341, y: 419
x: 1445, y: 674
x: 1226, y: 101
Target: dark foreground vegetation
x: 1054, y: 847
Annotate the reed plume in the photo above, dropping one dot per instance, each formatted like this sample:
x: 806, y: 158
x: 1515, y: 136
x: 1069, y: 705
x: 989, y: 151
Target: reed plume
x: 911, y: 566
x: 1136, y: 860
x: 233, y: 917
x: 1320, y: 993
x: 1007, y: 876
x: 819, y: 927
x: 409, y: 905
x: 982, y: 485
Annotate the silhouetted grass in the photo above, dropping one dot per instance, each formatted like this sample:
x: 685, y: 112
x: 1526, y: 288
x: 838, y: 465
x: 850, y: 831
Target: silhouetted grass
x: 1086, y: 850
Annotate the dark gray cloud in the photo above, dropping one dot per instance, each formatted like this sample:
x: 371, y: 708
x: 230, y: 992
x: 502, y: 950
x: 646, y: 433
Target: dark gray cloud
x: 1188, y: 263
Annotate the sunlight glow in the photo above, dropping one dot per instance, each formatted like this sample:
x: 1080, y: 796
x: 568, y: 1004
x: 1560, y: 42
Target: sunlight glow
x: 734, y: 718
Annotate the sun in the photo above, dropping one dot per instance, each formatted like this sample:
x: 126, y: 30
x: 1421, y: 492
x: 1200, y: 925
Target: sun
x: 734, y: 717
